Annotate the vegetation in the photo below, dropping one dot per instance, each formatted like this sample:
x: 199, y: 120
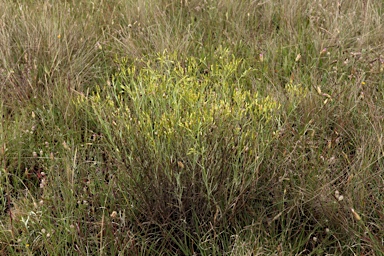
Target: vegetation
x: 212, y: 127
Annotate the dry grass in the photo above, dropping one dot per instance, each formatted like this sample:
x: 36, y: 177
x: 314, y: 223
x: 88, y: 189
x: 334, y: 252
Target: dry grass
x: 191, y: 127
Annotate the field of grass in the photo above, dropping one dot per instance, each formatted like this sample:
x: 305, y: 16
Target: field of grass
x: 191, y: 127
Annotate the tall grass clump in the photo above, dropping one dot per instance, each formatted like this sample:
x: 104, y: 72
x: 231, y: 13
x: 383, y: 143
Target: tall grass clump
x: 189, y: 139
x: 191, y: 127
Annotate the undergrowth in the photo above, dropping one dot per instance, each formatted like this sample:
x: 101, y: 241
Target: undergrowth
x: 191, y: 128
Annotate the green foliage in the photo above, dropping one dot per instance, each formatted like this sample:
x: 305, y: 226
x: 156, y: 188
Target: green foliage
x: 189, y: 135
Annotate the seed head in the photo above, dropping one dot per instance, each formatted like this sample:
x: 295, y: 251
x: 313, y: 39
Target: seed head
x: 355, y: 215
